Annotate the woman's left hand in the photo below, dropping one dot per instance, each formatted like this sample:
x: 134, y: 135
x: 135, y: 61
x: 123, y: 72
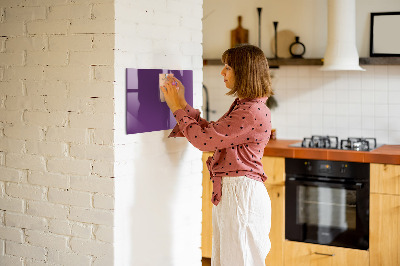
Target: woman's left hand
x: 171, y: 95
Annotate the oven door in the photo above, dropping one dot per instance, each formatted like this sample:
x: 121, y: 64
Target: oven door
x: 327, y: 213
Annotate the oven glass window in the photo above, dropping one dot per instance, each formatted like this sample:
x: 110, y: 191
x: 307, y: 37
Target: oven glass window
x: 326, y: 207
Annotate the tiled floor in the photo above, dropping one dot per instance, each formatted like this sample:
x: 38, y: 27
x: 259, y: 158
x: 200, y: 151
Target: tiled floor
x: 206, y: 261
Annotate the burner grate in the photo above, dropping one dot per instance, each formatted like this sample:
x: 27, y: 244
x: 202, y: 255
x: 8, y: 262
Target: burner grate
x: 327, y: 142
x: 332, y: 142
x: 358, y: 144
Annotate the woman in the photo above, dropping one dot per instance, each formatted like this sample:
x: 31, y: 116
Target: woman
x: 242, y: 208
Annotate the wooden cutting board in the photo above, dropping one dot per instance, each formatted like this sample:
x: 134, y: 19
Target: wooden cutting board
x: 285, y: 39
x: 239, y: 35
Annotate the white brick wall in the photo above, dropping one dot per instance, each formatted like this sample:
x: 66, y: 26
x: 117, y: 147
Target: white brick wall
x: 25, y: 251
x: 25, y: 221
x: 56, y: 132
x: 156, y: 177
x: 62, y: 138
x: 68, y: 258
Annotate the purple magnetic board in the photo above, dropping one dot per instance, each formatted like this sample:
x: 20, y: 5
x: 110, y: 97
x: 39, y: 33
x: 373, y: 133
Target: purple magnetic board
x: 145, y: 111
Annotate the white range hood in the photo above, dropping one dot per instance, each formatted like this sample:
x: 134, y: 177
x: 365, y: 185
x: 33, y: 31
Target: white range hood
x: 341, y: 51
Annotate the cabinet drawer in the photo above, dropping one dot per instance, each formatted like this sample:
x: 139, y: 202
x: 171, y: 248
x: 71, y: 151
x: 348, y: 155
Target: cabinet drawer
x: 305, y: 254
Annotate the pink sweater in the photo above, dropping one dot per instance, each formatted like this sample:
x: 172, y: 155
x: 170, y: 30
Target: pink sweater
x: 238, y: 139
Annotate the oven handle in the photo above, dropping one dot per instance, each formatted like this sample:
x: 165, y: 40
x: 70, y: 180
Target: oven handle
x: 357, y: 185
x: 324, y: 254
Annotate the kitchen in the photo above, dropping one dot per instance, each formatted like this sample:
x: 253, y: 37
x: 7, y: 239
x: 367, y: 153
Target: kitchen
x: 314, y: 103
x: 75, y: 189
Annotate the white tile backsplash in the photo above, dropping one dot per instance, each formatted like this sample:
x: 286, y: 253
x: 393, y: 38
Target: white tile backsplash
x: 368, y: 123
x: 343, y: 103
x: 367, y: 83
x: 342, y: 123
x: 382, y: 110
x: 342, y: 109
x: 355, y: 96
x: 367, y: 110
x: 354, y: 80
x: 393, y: 71
x: 394, y: 123
x: 292, y: 82
x: 394, y: 137
x: 394, y: 110
x: 381, y: 97
x: 382, y: 136
x: 329, y: 109
x: 291, y: 71
x: 394, y: 97
x: 304, y: 72
x: 304, y: 82
x: 381, y: 83
x: 381, y: 71
x: 367, y: 97
x: 381, y: 122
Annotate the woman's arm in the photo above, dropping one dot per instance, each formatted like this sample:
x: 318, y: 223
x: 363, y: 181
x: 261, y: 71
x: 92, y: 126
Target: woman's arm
x: 237, y: 128
x: 193, y: 113
x: 180, y: 98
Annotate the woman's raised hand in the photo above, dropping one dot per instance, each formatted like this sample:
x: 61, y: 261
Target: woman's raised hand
x: 181, y: 91
x: 172, y: 93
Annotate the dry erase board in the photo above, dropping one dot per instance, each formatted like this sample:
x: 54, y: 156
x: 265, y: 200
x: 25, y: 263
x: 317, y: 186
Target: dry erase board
x: 146, y: 110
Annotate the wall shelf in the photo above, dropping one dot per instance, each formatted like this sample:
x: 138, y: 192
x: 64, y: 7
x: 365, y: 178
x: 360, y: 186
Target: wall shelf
x: 380, y: 61
x: 274, y: 63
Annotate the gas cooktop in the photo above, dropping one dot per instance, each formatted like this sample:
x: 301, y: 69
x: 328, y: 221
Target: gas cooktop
x: 332, y: 142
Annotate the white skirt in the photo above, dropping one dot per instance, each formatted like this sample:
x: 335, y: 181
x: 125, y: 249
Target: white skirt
x: 241, y: 223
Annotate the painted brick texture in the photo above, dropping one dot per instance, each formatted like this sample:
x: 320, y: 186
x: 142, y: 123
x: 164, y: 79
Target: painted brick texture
x: 56, y: 132
x: 63, y: 140
x: 158, y: 180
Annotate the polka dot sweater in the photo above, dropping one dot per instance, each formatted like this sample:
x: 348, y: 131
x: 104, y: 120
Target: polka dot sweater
x: 238, y: 139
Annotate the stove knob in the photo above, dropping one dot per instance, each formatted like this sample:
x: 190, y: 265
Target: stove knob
x: 343, y: 168
x: 308, y: 166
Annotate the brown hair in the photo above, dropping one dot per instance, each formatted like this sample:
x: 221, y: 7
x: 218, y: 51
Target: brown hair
x: 250, y: 66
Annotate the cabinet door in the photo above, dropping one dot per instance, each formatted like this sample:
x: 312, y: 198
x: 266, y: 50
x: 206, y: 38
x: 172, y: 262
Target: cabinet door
x: 304, y: 254
x: 385, y: 178
x: 384, y: 229
x: 206, y: 226
x: 274, y: 168
x: 277, y: 233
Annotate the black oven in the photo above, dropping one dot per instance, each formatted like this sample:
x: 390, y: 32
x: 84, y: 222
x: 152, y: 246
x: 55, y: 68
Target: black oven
x: 327, y: 202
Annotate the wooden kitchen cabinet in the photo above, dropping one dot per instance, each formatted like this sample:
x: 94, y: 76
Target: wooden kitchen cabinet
x: 305, y: 254
x: 384, y: 236
x: 206, y: 225
x: 274, y: 168
x: 385, y: 178
x: 277, y: 233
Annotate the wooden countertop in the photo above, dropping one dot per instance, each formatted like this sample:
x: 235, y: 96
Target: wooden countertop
x: 389, y: 154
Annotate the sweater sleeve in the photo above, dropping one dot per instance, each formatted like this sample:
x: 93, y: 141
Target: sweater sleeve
x: 193, y: 113
x: 231, y: 130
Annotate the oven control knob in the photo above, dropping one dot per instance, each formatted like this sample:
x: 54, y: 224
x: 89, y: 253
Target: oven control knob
x: 343, y: 168
x: 308, y: 166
